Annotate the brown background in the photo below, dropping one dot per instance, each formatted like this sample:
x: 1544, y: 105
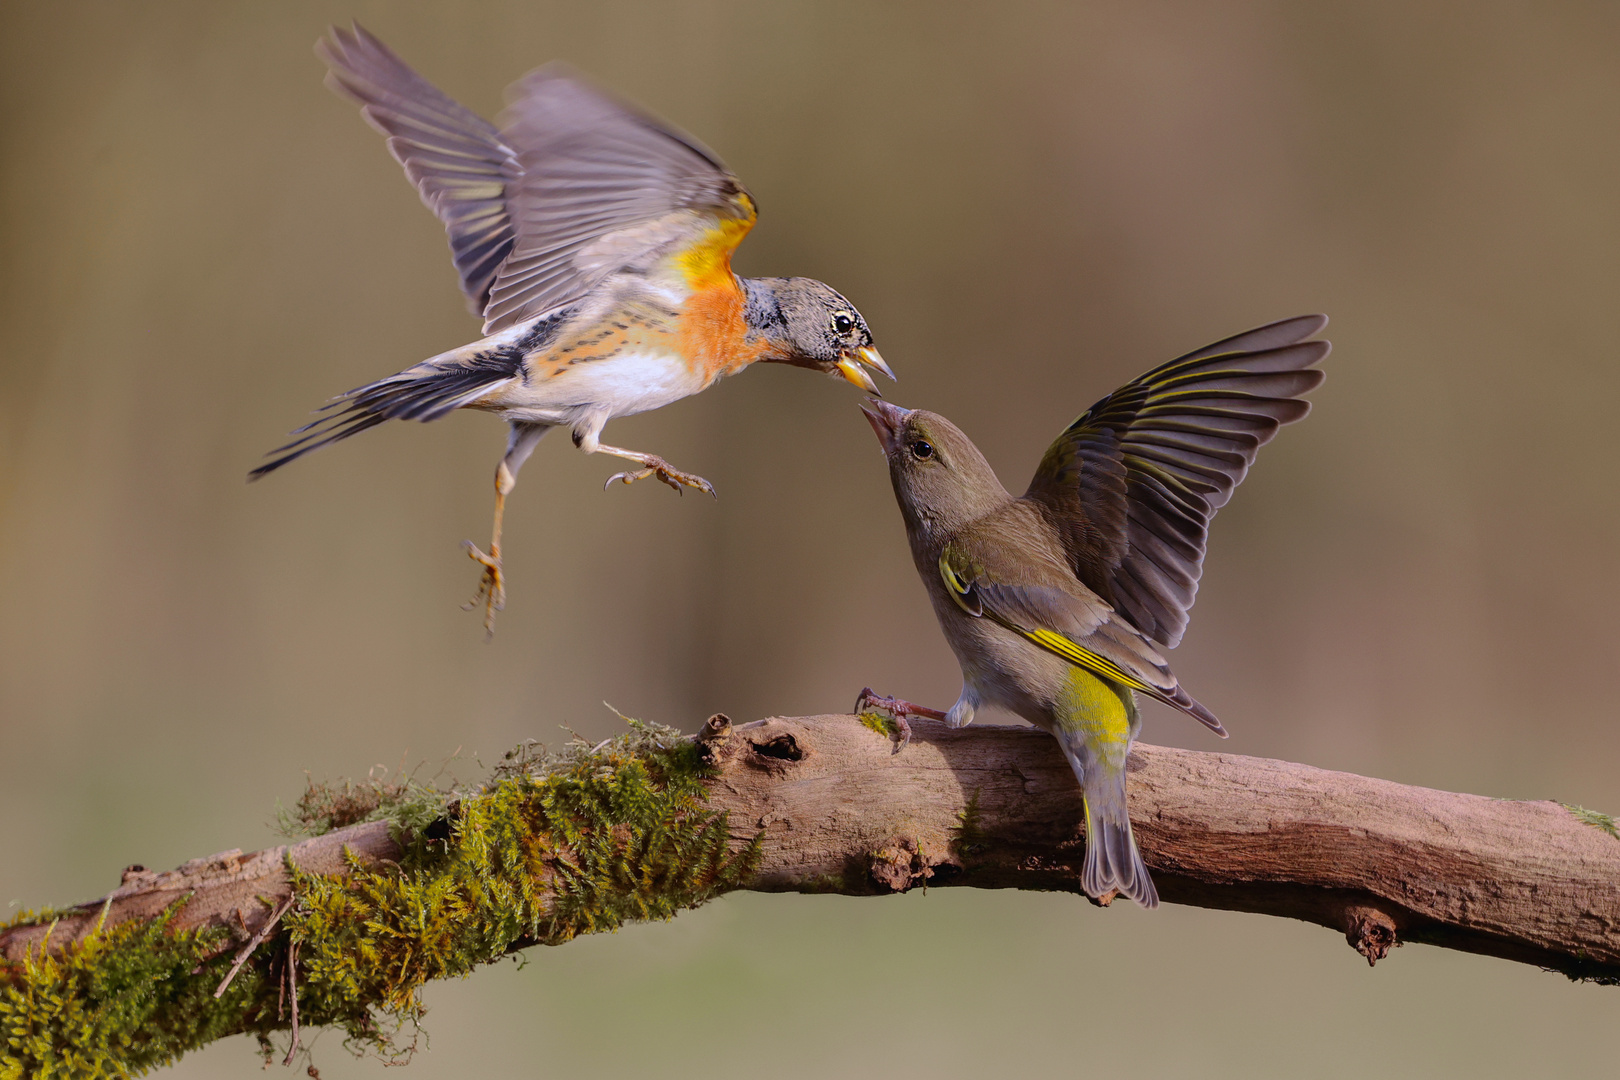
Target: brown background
x: 1030, y: 202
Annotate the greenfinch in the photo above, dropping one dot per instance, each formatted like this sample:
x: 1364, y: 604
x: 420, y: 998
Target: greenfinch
x: 1059, y: 603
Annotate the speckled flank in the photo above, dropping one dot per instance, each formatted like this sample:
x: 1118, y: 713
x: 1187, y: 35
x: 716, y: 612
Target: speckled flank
x: 624, y: 331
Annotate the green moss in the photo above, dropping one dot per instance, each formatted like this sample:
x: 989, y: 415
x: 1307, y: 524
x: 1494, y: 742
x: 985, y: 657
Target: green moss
x: 121, y: 1002
x: 553, y: 846
x: 1594, y: 819
x: 883, y: 725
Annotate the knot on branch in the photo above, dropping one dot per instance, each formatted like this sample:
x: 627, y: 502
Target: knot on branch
x: 714, y: 741
x: 717, y: 729
x: 1370, y: 931
x: 901, y: 863
x: 137, y: 875
x: 224, y: 862
x: 776, y: 753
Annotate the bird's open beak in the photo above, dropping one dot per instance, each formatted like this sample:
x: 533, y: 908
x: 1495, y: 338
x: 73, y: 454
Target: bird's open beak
x: 886, y: 420
x: 869, y: 356
x: 849, y: 366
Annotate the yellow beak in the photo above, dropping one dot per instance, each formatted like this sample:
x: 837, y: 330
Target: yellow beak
x: 850, y: 368
x: 869, y: 356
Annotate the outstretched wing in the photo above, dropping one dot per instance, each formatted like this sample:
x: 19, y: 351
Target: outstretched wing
x: 459, y: 163
x: 601, y: 187
x: 574, y: 186
x: 1131, y: 485
x: 1058, y: 614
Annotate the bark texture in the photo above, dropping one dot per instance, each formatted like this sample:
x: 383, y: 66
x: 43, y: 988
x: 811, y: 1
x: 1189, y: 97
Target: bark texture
x: 841, y: 809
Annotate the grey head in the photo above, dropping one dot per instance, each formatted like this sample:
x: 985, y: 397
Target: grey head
x: 809, y: 324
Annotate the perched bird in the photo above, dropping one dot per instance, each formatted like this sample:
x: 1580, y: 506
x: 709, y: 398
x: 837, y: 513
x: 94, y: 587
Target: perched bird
x: 1058, y: 603
x: 596, y: 243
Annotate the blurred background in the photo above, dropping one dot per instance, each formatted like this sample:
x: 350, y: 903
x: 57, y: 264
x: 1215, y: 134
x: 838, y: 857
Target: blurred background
x: 1030, y: 202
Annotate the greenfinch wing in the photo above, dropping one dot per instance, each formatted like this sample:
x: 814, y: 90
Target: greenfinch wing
x: 1046, y: 606
x: 1132, y: 484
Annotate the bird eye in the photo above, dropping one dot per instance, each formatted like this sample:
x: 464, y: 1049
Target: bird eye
x: 922, y: 450
x: 842, y: 323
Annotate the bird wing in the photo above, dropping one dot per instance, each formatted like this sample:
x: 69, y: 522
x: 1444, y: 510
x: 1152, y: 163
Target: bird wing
x: 1132, y: 484
x: 459, y: 163
x: 574, y: 186
x: 603, y: 187
x: 1046, y: 606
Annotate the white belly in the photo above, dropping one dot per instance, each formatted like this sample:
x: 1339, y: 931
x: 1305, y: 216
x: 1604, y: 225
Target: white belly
x: 627, y: 383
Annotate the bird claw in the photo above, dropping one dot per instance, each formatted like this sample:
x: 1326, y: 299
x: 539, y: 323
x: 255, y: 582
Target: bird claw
x: 491, y: 588
x: 870, y: 701
x: 666, y: 473
x: 904, y: 733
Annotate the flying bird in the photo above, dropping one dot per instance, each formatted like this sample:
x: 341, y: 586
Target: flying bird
x: 595, y: 242
x: 1059, y: 603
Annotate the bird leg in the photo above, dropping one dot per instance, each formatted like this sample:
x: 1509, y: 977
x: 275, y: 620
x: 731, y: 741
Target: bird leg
x: 492, y: 588
x: 653, y: 465
x: 869, y: 701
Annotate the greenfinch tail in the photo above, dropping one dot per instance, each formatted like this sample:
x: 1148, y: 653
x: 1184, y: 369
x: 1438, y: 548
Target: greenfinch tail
x: 1095, y: 722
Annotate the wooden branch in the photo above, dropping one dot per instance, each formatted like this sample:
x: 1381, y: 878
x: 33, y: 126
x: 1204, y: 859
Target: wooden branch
x: 840, y: 809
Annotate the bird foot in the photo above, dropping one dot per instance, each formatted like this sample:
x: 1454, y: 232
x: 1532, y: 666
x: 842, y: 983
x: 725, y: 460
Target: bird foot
x: 870, y: 701
x: 664, y: 471
x: 491, y: 588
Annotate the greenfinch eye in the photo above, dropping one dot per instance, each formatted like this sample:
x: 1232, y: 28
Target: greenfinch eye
x: 922, y: 450
x: 842, y: 323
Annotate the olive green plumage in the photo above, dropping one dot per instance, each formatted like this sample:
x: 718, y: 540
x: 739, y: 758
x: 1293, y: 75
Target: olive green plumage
x: 1059, y: 603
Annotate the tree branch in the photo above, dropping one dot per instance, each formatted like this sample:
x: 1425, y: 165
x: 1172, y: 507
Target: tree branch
x: 827, y: 804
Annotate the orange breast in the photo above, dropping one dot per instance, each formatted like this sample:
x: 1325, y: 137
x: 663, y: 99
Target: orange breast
x: 713, y: 336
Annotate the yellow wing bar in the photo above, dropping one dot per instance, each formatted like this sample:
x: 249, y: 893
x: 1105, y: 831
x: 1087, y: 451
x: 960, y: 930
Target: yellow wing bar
x: 1080, y: 656
x: 958, y: 586
x: 961, y: 591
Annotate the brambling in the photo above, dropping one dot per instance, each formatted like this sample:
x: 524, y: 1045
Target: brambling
x: 596, y: 243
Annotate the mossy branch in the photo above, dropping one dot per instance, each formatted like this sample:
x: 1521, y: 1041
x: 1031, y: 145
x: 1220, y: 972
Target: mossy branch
x: 404, y: 883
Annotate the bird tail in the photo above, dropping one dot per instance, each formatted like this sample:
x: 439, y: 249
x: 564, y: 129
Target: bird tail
x: 424, y: 392
x: 1112, y: 861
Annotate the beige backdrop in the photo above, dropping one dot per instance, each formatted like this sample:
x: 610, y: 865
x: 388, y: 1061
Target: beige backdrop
x: 1030, y: 202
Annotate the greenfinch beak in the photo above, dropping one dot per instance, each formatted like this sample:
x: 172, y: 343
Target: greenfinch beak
x: 849, y: 366
x: 886, y: 421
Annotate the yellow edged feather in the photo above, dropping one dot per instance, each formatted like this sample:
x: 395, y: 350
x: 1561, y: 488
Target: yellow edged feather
x: 1050, y: 640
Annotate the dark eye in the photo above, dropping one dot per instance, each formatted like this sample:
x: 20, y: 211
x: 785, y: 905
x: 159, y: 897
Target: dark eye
x: 842, y: 323
x: 922, y: 450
